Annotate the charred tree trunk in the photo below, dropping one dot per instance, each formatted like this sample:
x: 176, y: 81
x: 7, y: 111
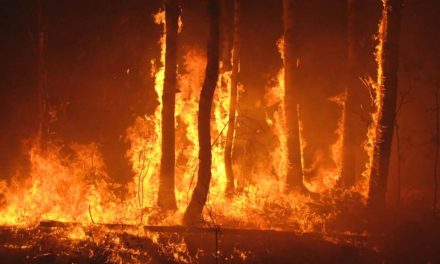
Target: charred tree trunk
x: 166, y: 197
x: 294, y: 177
x: 226, y: 37
x: 230, y: 187
x: 194, y: 210
x: 402, y: 100
x: 348, y: 172
x: 436, y: 152
x: 388, y: 84
x: 43, y: 122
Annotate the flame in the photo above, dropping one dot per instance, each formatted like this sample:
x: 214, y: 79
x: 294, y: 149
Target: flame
x: 218, y: 132
x: 190, y: 85
x: 328, y: 176
x: 336, y: 148
x: 76, y: 187
x: 302, y: 139
x: 275, y: 96
x: 77, y: 233
x: 376, y: 94
x: 68, y: 189
x: 145, y: 137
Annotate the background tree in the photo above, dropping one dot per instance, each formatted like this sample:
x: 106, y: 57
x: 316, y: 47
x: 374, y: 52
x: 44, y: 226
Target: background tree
x: 230, y: 187
x: 388, y: 85
x: 41, y: 39
x: 166, y: 196
x: 226, y: 38
x: 194, y: 210
x: 436, y: 146
x: 348, y: 173
x: 294, y: 177
x: 402, y: 100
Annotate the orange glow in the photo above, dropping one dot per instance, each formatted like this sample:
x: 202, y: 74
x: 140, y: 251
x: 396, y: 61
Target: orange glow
x: 327, y: 177
x: 275, y: 95
x: 62, y: 188
x: 76, y: 188
x: 376, y: 95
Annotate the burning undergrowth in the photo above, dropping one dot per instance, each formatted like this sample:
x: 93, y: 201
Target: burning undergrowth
x: 92, y: 221
x: 73, y: 187
x: 70, y: 183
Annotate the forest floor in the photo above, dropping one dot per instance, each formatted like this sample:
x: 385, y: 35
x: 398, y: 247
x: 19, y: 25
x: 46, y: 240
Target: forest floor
x: 66, y: 243
x: 54, y: 242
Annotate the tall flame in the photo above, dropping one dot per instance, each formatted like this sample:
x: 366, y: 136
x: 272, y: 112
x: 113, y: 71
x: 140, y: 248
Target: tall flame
x: 145, y: 137
x: 81, y: 191
x: 187, y: 100
x: 66, y: 188
x: 327, y: 176
x: 275, y: 96
x: 376, y: 94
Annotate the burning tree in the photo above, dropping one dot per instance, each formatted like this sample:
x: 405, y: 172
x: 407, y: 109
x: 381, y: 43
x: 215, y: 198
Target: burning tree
x: 200, y: 194
x: 387, y: 83
x: 348, y: 172
x: 294, y: 177
x: 233, y: 98
x: 166, y: 196
x: 88, y: 212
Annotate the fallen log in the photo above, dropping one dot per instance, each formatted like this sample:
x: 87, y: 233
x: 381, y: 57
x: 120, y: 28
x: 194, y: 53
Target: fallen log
x: 197, y: 230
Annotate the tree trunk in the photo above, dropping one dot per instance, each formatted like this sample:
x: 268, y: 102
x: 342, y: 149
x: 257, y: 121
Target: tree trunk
x: 194, y: 210
x: 348, y: 172
x: 226, y: 36
x: 43, y: 125
x: 387, y: 81
x: 436, y: 152
x: 294, y: 177
x: 166, y: 197
x: 230, y: 187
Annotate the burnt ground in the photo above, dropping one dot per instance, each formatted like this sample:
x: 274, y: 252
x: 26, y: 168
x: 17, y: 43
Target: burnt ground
x: 50, y: 243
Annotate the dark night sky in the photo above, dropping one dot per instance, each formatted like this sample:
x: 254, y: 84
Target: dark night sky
x: 91, y: 44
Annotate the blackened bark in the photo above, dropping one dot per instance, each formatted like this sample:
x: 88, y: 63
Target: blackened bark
x: 166, y: 197
x: 436, y: 152
x: 194, y: 210
x: 230, y: 187
x: 348, y: 172
x: 226, y: 36
x: 294, y: 177
x: 392, y: 14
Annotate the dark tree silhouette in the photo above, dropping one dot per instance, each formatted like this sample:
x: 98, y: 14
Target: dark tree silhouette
x: 294, y: 179
x: 230, y: 187
x: 226, y: 37
x: 194, y: 210
x: 166, y: 196
x: 41, y: 39
x: 437, y: 145
x: 402, y: 99
x: 348, y: 173
x: 388, y: 85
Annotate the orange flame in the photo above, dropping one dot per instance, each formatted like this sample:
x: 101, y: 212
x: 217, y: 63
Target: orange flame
x: 275, y: 95
x: 376, y: 94
x: 76, y: 188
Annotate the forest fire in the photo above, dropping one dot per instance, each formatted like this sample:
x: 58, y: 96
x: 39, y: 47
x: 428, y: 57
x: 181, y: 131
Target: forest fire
x: 230, y: 158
